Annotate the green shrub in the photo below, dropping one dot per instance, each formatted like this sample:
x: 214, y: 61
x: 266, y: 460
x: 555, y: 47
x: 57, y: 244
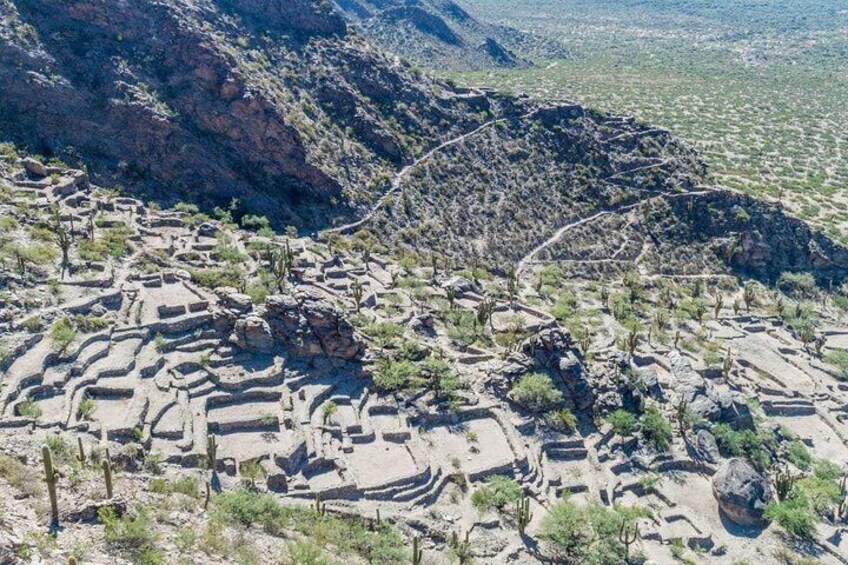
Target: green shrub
x: 229, y: 254
x: 585, y: 534
x: 134, y: 537
x: 623, y: 423
x: 499, y: 493
x: 255, y: 223
x: 562, y: 420
x: 565, y: 307
x: 215, y: 277
x: 62, y: 333
x: 392, y: 375
x: 798, y: 285
x: 798, y: 455
x: 380, y: 545
x: 384, y: 332
x: 656, y: 428
x: 29, y: 408
x: 86, y: 408
x: 305, y: 552
x: 186, y: 208
x: 92, y: 250
x: 757, y: 448
x: 536, y: 392
x: 838, y: 358
x: 795, y: 515
x: 186, y: 485
x: 244, y: 508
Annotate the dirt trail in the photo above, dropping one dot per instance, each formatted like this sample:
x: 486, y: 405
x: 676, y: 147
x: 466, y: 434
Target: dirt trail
x: 522, y: 265
x: 396, y: 182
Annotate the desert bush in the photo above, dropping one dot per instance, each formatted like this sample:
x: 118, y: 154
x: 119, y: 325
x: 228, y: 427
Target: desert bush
x: 392, y: 375
x: 585, y: 534
x: 536, y: 392
x: 499, y: 493
x: 794, y: 515
x: 562, y: 420
x: 656, y: 428
x: 797, y: 285
x: 623, y: 423
x: 132, y: 535
x: 838, y: 359
x: 62, y: 333
x: 757, y: 447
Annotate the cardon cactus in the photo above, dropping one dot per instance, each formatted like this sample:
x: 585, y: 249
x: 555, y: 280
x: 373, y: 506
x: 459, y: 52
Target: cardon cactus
x: 211, y: 452
x: 107, y: 475
x: 417, y: 552
x: 523, y: 516
x: 51, y: 476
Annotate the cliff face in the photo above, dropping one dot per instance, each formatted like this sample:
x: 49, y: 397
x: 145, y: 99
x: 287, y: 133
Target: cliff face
x: 268, y: 101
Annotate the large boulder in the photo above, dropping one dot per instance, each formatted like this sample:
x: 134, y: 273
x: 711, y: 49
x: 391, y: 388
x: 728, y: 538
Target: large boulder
x: 306, y: 324
x: 253, y: 333
x: 742, y: 492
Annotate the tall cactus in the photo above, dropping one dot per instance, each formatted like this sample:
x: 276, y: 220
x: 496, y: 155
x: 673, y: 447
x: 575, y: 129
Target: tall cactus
x: 320, y: 507
x: 51, y: 476
x: 417, y: 552
x: 461, y: 547
x: 627, y: 535
x: 784, y: 482
x: 357, y: 291
x: 107, y: 476
x: 81, y: 456
x: 523, y: 516
x: 211, y: 452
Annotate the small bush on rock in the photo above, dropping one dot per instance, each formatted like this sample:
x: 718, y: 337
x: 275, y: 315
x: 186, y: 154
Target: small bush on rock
x: 536, y: 392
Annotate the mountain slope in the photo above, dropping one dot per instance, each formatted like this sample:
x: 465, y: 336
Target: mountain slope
x: 281, y: 106
x: 441, y: 34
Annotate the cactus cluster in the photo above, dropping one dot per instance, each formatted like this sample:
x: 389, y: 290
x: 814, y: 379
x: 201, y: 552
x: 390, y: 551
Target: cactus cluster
x: 784, y: 482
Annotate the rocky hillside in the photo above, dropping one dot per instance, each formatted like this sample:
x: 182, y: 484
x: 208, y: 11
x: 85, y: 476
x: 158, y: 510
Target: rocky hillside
x: 281, y: 106
x: 441, y: 34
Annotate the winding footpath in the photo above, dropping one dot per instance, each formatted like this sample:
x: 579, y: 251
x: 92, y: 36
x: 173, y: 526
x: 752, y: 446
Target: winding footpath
x: 404, y: 172
x: 527, y: 259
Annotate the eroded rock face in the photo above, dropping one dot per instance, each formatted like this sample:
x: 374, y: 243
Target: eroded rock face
x: 253, y: 333
x: 712, y: 403
x: 306, y: 325
x: 742, y: 492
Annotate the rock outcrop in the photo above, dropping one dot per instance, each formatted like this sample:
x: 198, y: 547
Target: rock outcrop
x: 709, y: 401
x: 551, y: 351
x: 300, y: 323
x: 742, y: 492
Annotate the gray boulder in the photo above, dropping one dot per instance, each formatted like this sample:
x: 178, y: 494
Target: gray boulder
x: 253, y: 333
x: 706, y: 446
x: 207, y: 229
x: 307, y: 325
x: 742, y: 492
